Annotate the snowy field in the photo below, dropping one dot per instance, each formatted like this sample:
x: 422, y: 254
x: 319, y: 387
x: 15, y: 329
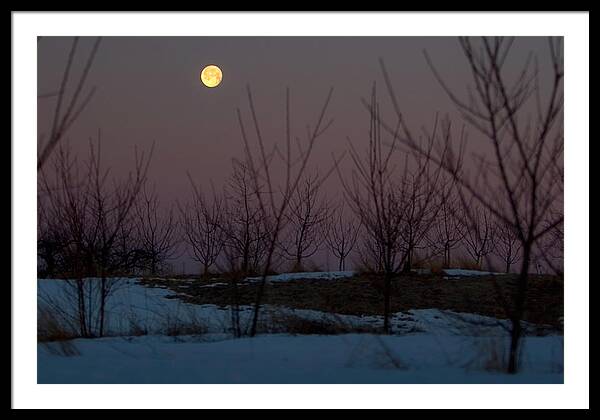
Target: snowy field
x: 352, y: 358
x: 430, y: 346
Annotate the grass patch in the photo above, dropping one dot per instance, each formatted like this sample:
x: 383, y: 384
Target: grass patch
x: 363, y: 295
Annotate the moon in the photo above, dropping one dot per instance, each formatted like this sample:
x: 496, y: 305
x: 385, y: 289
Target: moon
x: 211, y: 76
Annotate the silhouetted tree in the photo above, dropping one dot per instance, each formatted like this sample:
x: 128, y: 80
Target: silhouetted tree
x: 341, y: 235
x: 201, y: 222
x: 550, y: 249
x: 93, y: 219
x: 449, y: 229
x: 520, y: 180
x: 156, y: 231
x: 245, y: 232
x: 506, y: 245
x: 305, y: 223
x: 419, y: 205
x: 274, y: 197
x: 369, y: 253
x: 382, y: 201
x: 480, y: 233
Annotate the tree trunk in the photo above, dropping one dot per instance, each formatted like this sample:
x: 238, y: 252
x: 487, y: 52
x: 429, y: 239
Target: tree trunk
x: 153, y: 266
x: 520, y: 299
x: 386, y: 302
x: 245, y: 268
x: 235, y: 310
x: 446, y: 256
x: 81, y: 306
x: 408, y: 262
x: 102, y: 305
x: 298, y: 266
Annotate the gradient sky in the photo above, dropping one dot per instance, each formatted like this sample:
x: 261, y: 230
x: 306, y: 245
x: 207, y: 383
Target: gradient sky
x: 148, y: 90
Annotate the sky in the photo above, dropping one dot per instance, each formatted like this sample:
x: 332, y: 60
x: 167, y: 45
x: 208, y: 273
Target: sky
x: 149, y: 92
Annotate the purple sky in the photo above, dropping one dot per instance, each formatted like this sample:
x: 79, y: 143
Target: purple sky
x: 148, y: 90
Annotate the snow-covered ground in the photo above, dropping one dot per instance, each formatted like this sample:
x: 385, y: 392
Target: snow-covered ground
x: 132, y: 306
x: 421, y: 358
x: 431, y: 346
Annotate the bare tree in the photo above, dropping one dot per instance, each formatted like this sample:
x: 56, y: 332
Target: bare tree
x: 520, y: 180
x: 550, y: 249
x: 506, y: 245
x: 50, y: 241
x: 419, y: 205
x: 93, y: 220
x: 369, y: 253
x: 341, y: 235
x: 480, y: 234
x: 373, y: 195
x: 246, y: 235
x: 155, y: 231
x: 245, y: 232
x: 273, y: 199
x: 305, y: 222
x: 395, y: 209
x: 111, y: 211
x: 201, y: 221
x: 449, y: 229
x: 65, y: 117
x: 63, y: 217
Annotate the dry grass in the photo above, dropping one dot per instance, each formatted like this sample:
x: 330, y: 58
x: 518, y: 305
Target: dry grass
x: 51, y: 327
x: 467, y: 264
x: 187, y: 323
x: 363, y: 295
x: 54, y: 335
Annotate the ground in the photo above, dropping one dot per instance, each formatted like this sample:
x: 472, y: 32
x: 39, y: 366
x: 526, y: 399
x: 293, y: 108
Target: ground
x: 351, y: 358
x: 445, y: 330
x: 363, y: 294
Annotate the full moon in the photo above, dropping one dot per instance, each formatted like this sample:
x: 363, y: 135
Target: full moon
x: 211, y: 76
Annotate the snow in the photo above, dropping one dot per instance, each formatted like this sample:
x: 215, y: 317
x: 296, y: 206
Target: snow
x: 306, y: 275
x: 455, y: 272
x: 430, y: 346
x: 211, y: 285
x: 278, y: 358
x: 131, y: 305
